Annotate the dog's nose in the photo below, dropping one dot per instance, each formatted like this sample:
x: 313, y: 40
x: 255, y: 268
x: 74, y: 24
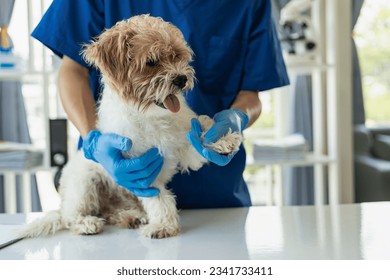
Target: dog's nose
x: 180, y: 81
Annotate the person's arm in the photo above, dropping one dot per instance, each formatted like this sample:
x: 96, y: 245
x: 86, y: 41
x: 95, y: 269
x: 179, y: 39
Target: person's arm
x: 249, y: 102
x: 76, y: 95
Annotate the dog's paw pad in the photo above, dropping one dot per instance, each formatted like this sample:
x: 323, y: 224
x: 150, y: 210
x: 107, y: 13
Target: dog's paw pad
x: 88, y: 225
x: 227, y: 144
x: 155, y: 232
x: 164, y: 234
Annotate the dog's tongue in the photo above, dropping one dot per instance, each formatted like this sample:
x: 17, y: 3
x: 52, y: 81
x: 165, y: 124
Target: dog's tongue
x: 172, y: 103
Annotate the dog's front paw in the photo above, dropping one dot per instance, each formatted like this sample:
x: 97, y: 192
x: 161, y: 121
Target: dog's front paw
x: 133, y: 218
x: 227, y: 144
x: 206, y: 122
x: 158, y: 231
x: 137, y: 222
x: 87, y: 225
x: 132, y: 222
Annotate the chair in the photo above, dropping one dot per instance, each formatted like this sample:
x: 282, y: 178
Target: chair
x: 372, y: 163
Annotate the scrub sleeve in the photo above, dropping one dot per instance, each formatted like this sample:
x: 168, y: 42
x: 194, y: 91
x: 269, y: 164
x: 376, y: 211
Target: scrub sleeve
x: 69, y: 24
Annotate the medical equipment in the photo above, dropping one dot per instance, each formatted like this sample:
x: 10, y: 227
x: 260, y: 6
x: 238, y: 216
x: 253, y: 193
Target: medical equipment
x: 297, y: 33
x: 7, y: 59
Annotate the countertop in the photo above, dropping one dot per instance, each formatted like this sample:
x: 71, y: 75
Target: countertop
x: 351, y: 231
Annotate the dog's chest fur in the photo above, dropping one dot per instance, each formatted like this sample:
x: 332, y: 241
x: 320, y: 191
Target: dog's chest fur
x: 156, y: 127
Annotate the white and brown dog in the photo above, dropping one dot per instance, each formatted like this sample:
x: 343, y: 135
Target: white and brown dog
x: 144, y: 62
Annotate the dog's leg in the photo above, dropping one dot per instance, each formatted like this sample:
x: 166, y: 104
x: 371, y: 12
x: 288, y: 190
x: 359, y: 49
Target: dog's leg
x: 124, y: 210
x: 81, y: 185
x: 227, y: 144
x: 162, y: 214
x: 131, y: 218
x: 87, y: 225
x: 206, y: 122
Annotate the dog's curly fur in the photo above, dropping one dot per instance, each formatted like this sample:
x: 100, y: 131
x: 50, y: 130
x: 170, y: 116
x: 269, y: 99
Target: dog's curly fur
x: 145, y: 66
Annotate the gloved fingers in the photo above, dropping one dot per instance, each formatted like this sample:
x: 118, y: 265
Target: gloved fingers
x: 89, y: 144
x: 147, y: 181
x: 149, y: 192
x: 214, y: 133
x: 234, y: 119
x: 145, y: 177
x: 134, y: 181
x: 195, y: 142
x: 139, y: 163
x: 115, y: 141
x: 208, y: 154
x: 147, y: 159
x: 243, y: 117
x: 216, y: 158
x: 196, y: 127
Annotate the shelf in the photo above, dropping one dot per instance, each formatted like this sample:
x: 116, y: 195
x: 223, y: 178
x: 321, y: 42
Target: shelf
x: 309, y: 67
x: 305, y: 64
x: 21, y: 74
x: 309, y: 160
x: 18, y: 171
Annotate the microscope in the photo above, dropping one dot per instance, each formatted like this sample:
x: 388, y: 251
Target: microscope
x: 296, y: 28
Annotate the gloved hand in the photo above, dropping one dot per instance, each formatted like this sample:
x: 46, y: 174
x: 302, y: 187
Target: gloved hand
x: 232, y: 120
x: 135, y: 174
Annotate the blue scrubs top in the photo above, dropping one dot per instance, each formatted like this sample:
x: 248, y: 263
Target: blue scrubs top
x: 236, y: 48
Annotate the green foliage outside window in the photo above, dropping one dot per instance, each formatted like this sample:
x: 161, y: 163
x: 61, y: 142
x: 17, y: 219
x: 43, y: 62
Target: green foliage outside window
x: 372, y: 37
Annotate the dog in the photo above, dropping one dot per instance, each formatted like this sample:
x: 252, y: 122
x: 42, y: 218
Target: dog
x: 145, y: 66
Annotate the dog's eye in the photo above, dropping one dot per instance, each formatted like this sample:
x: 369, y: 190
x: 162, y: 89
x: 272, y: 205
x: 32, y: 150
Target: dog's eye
x: 151, y: 62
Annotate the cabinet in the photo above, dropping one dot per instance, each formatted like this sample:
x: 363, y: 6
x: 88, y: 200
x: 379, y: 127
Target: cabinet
x: 331, y: 70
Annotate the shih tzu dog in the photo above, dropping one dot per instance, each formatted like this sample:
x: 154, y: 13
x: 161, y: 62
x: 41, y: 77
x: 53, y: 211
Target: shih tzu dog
x: 145, y: 69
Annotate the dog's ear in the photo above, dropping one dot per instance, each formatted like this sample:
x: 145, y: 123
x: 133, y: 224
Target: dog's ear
x: 111, y: 52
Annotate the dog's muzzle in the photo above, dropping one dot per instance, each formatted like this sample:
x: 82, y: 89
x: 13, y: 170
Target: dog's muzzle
x: 171, y: 102
x: 180, y: 81
x: 160, y: 104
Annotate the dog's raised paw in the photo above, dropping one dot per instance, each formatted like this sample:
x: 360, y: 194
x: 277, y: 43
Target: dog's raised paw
x: 159, y: 231
x: 206, y: 122
x: 227, y: 144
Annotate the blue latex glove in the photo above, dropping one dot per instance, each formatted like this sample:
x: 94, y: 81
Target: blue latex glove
x: 231, y: 119
x: 135, y: 174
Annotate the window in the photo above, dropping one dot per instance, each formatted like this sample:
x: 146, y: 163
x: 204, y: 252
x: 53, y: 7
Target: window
x: 372, y: 37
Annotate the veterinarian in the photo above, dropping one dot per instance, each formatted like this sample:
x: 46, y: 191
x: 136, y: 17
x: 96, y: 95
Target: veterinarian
x: 237, y: 54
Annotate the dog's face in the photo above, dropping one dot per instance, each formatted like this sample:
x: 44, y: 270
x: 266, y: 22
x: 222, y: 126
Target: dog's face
x: 144, y: 59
